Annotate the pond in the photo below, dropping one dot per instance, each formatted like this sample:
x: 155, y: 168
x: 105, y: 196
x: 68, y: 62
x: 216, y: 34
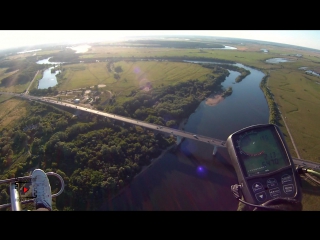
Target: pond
x: 49, y: 79
x: 278, y: 60
x: 225, y: 48
x: 80, y: 48
x: 46, y: 61
x: 312, y: 72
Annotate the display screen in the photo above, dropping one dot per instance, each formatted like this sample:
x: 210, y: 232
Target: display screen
x: 260, y: 151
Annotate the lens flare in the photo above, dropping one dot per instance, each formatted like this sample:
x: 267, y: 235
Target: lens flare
x: 201, y: 171
x: 136, y: 70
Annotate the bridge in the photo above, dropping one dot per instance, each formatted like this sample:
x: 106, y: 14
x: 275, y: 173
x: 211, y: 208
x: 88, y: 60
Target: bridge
x: 156, y: 128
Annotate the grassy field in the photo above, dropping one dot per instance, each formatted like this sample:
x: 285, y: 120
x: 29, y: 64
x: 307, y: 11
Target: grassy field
x: 15, y: 88
x: 248, y: 55
x: 29, y: 54
x: 47, y: 52
x: 11, y: 111
x: 298, y: 98
x: 256, y: 58
x: 311, y: 195
x: 3, y: 74
x: 35, y: 83
x: 4, y: 98
x: 134, y: 75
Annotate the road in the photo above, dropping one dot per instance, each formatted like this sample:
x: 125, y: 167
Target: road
x: 154, y: 127
x: 294, y: 145
x: 27, y: 91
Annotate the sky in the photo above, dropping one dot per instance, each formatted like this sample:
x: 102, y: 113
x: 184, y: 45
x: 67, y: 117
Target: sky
x: 20, y: 38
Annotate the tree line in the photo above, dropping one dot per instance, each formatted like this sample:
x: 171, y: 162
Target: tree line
x: 274, y: 114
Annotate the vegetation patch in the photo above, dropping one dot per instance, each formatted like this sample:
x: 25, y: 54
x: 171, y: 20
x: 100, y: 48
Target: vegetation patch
x: 11, y: 111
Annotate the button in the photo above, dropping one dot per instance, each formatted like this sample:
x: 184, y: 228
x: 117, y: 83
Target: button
x: 286, y: 178
x: 272, y: 182
x: 261, y: 197
x: 275, y: 192
x: 289, y: 188
x: 257, y: 186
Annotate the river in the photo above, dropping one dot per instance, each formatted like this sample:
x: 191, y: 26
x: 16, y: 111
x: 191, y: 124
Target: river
x: 191, y: 178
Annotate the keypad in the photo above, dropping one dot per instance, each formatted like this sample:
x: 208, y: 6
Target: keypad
x: 279, y: 185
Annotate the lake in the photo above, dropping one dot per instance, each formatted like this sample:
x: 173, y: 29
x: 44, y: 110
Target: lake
x: 80, y: 48
x: 49, y: 79
x: 277, y: 60
x: 224, y: 48
x: 314, y: 73
x: 46, y: 61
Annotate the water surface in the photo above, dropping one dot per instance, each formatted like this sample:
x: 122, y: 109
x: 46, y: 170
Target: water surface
x: 278, y: 60
x: 48, y: 80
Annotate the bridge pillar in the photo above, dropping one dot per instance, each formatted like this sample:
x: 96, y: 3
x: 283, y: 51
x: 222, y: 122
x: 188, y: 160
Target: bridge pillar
x: 178, y: 140
x: 215, y: 149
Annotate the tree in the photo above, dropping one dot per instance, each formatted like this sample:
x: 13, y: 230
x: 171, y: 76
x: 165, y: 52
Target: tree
x: 171, y: 123
x: 35, y: 146
x: 116, y: 76
x: 118, y: 69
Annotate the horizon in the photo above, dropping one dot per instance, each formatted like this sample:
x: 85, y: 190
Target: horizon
x: 12, y: 39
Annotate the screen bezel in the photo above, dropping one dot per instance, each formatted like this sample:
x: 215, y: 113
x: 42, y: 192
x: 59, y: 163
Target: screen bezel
x: 280, y: 143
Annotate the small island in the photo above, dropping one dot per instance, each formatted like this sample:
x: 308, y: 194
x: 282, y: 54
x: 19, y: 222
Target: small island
x: 243, y: 72
x: 227, y: 92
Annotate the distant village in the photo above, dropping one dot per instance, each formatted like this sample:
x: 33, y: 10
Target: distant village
x: 81, y: 96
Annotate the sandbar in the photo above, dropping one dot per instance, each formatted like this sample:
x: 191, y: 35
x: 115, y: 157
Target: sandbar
x: 213, y: 100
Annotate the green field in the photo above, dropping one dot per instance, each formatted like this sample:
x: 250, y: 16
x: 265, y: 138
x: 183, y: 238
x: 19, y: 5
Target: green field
x: 12, y: 110
x: 35, y: 83
x: 13, y: 88
x: 134, y: 75
x: 3, y: 74
x: 16, y: 88
x: 297, y: 95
